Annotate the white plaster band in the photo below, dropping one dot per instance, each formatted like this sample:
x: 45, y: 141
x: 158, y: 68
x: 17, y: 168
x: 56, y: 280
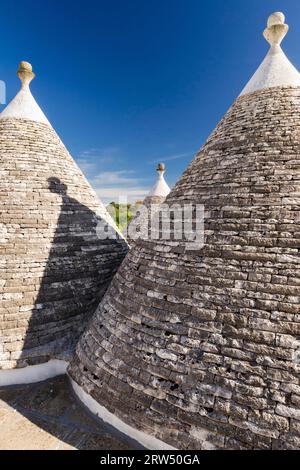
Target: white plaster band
x: 147, y: 441
x: 32, y: 374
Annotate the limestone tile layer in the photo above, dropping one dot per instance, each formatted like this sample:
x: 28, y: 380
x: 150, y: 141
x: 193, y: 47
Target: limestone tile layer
x: 199, y: 348
x: 54, y: 268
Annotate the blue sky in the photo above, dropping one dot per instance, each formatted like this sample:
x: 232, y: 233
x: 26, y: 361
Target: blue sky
x: 129, y: 83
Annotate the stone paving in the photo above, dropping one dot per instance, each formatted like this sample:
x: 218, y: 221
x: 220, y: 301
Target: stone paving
x: 46, y: 416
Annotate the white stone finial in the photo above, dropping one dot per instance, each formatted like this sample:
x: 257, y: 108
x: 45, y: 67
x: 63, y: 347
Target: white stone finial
x: 23, y: 105
x: 25, y: 73
x: 276, y: 29
x: 276, y: 69
x: 161, y: 168
x: 276, y: 18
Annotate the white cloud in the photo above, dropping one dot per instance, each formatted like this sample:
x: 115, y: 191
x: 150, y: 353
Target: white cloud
x: 88, y: 160
x: 85, y: 165
x: 101, y: 153
x: 167, y: 158
x: 111, y: 185
x: 120, y: 177
x: 118, y: 194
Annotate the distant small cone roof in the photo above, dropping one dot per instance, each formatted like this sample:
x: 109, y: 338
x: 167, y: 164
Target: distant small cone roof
x: 161, y: 188
x: 55, y: 267
x: 198, y: 345
x: 141, y: 221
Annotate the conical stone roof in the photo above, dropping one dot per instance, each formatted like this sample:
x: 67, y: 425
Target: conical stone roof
x: 161, y: 189
x: 140, y: 225
x: 199, y: 348
x: 54, y: 266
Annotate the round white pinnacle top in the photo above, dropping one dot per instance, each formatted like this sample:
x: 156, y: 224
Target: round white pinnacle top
x: 161, y: 188
x: 276, y: 69
x: 276, y: 18
x: 23, y: 105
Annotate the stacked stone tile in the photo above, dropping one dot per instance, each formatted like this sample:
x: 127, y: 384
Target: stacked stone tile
x: 199, y: 348
x: 54, y: 267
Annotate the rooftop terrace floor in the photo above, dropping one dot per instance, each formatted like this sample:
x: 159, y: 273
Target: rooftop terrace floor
x: 46, y: 416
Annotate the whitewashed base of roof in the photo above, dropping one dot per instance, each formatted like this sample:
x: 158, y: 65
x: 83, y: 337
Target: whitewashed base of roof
x: 33, y: 374
x: 147, y: 441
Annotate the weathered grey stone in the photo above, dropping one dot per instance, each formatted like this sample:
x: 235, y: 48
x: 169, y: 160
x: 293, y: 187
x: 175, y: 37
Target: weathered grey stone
x: 237, y: 320
x: 288, y: 411
x: 54, y: 268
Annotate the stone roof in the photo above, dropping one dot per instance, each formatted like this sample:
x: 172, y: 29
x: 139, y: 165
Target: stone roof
x: 276, y: 69
x: 161, y: 188
x: 199, y: 347
x: 140, y: 224
x: 54, y: 265
x: 24, y: 106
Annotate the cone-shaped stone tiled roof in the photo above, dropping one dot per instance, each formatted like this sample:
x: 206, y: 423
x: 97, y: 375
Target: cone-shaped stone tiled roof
x: 141, y: 222
x: 54, y: 268
x: 161, y: 188
x: 200, y: 348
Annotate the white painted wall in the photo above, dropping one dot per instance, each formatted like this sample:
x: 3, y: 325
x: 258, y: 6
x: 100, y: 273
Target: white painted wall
x: 32, y: 374
x: 149, y: 442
